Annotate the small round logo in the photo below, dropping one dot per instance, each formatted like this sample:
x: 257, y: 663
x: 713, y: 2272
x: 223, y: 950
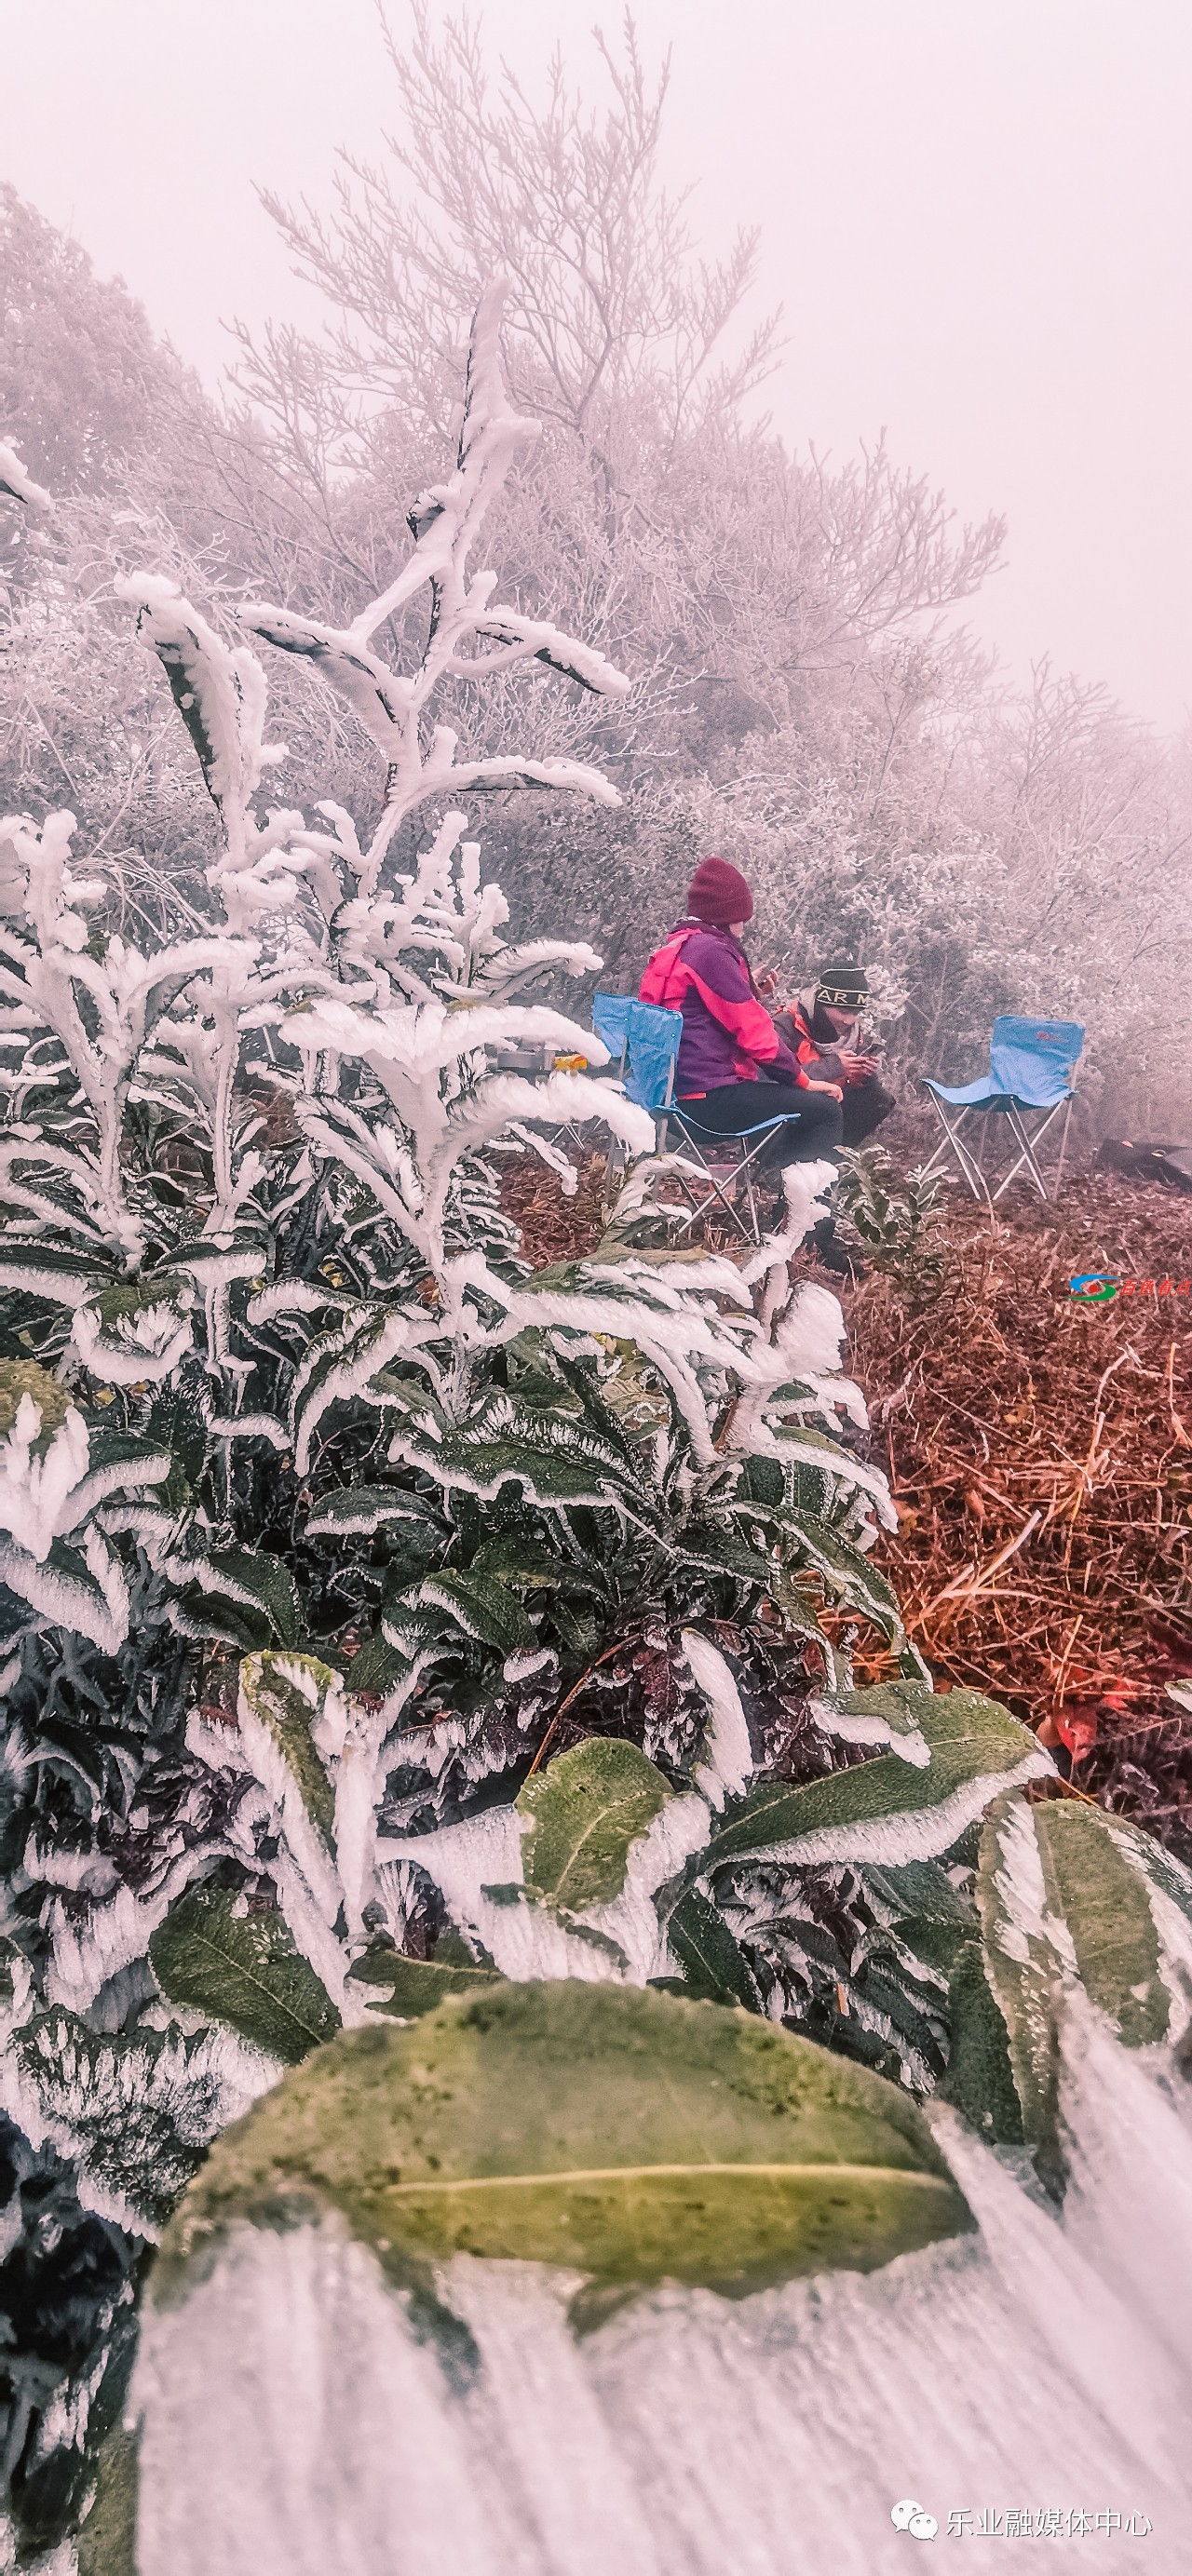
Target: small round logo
x: 912, y: 2517
x: 1094, y: 1287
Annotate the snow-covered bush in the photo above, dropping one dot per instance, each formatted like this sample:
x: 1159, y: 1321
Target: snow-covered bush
x: 324, y: 1524
x: 377, y: 1617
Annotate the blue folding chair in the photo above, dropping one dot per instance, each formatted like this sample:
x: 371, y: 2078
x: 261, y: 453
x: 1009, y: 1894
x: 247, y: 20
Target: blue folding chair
x: 717, y: 1168
x: 1032, y: 1064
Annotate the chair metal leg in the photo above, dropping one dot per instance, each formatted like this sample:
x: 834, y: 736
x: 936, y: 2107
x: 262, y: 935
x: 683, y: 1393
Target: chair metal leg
x: 1028, y: 1154
x: 970, y: 1172
x: 713, y: 1191
x: 1059, y: 1169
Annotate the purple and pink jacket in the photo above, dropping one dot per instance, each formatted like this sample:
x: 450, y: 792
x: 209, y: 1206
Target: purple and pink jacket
x: 727, y: 1032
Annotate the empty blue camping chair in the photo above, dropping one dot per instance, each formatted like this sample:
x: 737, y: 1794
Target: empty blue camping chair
x: 714, y: 1169
x: 1032, y: 1064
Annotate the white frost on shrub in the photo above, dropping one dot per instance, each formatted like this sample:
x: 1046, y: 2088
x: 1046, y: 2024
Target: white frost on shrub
x: 17, y: 482
x: 728, y: 1764
x: 144, y: 1347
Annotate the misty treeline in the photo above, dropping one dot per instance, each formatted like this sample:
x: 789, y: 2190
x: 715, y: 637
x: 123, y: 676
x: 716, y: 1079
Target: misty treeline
x: 806, y: 698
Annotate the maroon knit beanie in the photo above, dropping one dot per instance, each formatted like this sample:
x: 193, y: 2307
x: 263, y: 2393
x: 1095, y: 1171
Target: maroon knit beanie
x: 718, y: 894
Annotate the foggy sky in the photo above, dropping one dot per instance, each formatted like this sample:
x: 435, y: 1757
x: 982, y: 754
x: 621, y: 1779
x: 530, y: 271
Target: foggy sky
x: 976, y: 213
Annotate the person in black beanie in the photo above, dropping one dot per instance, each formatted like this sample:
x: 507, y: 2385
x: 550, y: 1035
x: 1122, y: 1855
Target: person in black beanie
x: 822, y: 1028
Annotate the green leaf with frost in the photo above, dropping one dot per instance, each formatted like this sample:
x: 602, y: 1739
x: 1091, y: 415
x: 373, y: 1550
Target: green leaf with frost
x: 886, y: 1713
x: 512, y: 1559
x: 407, y: 1988
x: 980, y: 2082
x: 713, y: 1963
x: 361, y: 1510
x: 918, y: 1900
x: 375, y: 1669
x: 179, y: 1420
x: 1021, y: 1966
x: 287, y: 1696
x: 1065, y: 1890
x: 586, y: 1811
x: 136, y: 2109
x: 40, y: 1271
x: 889, y: 1810
x: 241, y: 1595
x: 1100, y: 1881
x: 486, y: 1610
x: 556, y: 1457
x: 1062, y: 1885
x: 629, y: 2135
x: 702, y: 1543
x: 242, y: 1969
x: 847, y: 1573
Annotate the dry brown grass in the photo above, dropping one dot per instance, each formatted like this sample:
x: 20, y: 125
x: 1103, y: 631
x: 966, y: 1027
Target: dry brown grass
x: 1040, y: 1453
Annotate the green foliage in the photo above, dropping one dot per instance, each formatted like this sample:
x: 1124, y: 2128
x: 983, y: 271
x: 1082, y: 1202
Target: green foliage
x: 586, y: 1812
x: 896, y: 1219
x: 1067, y: 1898
x: 980, y: 2079
x: 287, y: 1696
x: 243, y: 1969
x: 631, y: 2136
x: 890, y: 1809
x: 713, y: 1964
x: 408, y: 1988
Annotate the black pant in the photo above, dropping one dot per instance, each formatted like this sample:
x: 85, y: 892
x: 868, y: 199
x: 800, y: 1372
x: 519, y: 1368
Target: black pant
x: 813, y: 1120
x: 865, y: 1106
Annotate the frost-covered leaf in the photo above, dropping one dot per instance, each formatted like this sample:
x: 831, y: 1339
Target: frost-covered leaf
x: 847, y: 1573
x: 649, y: 2138
x: 363, y: 1509
x: 1100, y: 1883
x: 242, y: 1969
x: 41, y: 1271
x: 405, y: 1988
x: 513, y: 1559
x: 586, y: 1811
x: 375, y: 1668
x: 133, y: 1336
x: 137, y: 2109
x: 219, y: 694
x: 556, y: 1457
x: 1021, y: 1971
x: 1066, y: 1889
x: 83, y: 1591
x: 727, y: 1764
x: 980, y: 2081
x: 283, y: 1701
x: 886, y: 1713
x: 713, y: 1963
x: 483, y: 1607
x: 889, y: 1810
x: 240, y: 1594
x: 339, y: 1368
x: 919, y: 1900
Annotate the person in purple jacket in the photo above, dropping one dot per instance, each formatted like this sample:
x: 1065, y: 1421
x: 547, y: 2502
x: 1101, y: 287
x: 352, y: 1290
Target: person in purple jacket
x: 733, y: 1070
